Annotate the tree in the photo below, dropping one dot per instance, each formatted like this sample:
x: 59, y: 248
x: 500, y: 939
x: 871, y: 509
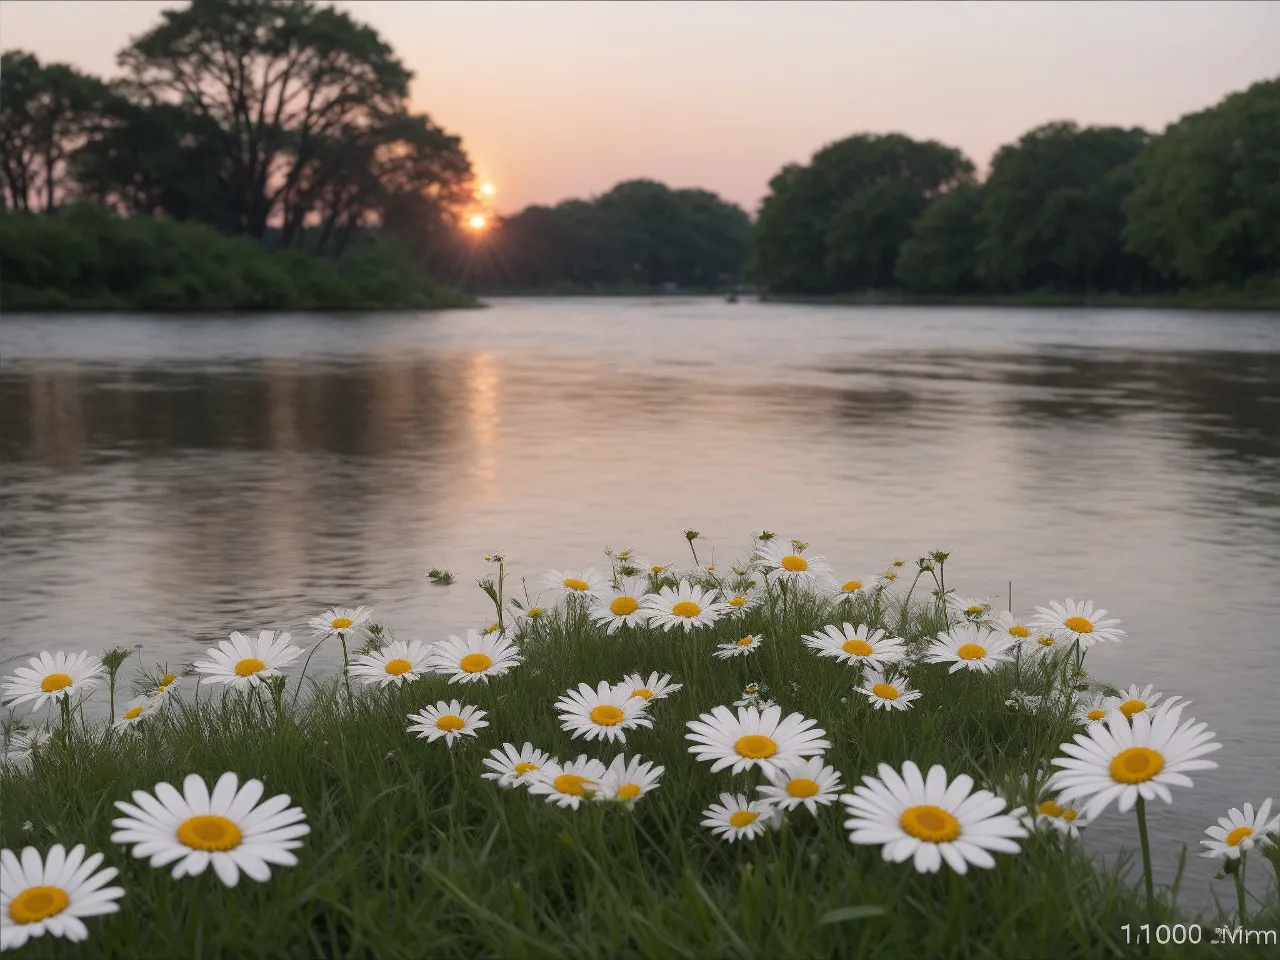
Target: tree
x: 1052, y: 211
x: 1205, y: 207
x: 46, y: 113
x: 941, y: 255
x: 837, y: 223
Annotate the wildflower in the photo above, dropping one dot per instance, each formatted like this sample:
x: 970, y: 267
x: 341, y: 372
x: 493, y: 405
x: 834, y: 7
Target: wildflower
x: 1115, y: 761
x: 1090, y: 709
x: 227, y: 828
x: 1020, y: 700
x: 397, y: 663
x: 969, y: 609
x: 566, y: 784
x: 511, y: 767
x: 790, y: 565
x: 808, y: 782
x: 1239, y: 830
x: 1134, y: 701
x: 656, y: 687
x: 164, y: 686
x: 857, y: 587
x: 138, y: 711
x: 853, y: 645
x: 1045, y: 643
x: 1049, y: 814
x: 924, y: 819
x: 22, y: 746
x: 740, y: 600
x: 737, y: 818
x: 753, y: 738
x: 739, y: 648
x: 52, y: 894
x: 887, y: 694
x: 53, y: 676
x: 623, y: 608
x: 969, y: 647
x: 1078, y: 622
x: 607, y: 712
x: 626, y: 781
x: 586, y: 583
x: 1006, y: 622
x: 685, y: 605
x: 449, y: 720
x: 476, y: 658
x: 243, y: 663
x: 338, y: 620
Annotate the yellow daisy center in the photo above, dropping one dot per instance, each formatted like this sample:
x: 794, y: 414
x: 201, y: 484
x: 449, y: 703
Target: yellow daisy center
x: 746, y: 641
x: 398, y: 666
x: 1136, y: 765
x: 571, y: 783
x: 755, y: 747
x: 341, y: 623
x: 209, y: 832
x: 536, y: 611
x: 1078, y: 625
x: 657, y: 569
x: 737, y: 601
x: 852, y: 586
x: 885, y: 691
x: 971, y: 651
x: 54, y: 682
x: 606, y: 715
x: 859, y: 648
x: 686, y: 608
x: 475, y: 663
x: 1069, y: 815
x: 742, y: 818
x: 1050, y: 809
x: 167, y: 679
x: 1097, y: 714
x: 1046, y: 641
x: 450, y: 722
x: 793, y: 563
x: 802, y: 787
x: 890, y: 575
x: 622, y: 606
x: 249, y: 666
x: 1238, y: 834
x: 38, y: 903
x: 1017, y: 630
x: 642, y: 692
x: 974, y: 610
x: 1130, y: 707
x: 629, y: 791
x: 133, y: 713
x: 573, y: 583
x: 523, y: 767
x: 929, y: 823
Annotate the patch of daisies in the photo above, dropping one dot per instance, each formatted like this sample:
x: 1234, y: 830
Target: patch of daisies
x: 1135, y: 745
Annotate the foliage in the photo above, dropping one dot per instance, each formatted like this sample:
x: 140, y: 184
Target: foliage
x: 941, y: 255
x: 1205, y: 207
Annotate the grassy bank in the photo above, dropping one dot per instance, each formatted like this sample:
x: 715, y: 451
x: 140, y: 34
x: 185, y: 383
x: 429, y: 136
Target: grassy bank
x: 412, y: 854
x: 1264, y: 297
x: 83, y: 260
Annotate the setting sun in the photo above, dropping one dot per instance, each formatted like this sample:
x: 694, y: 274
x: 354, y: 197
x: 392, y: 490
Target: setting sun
x: 487, y: 189
x: 478, y: 222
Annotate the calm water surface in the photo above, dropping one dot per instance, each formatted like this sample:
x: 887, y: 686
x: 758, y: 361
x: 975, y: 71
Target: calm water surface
x: 166, y: 480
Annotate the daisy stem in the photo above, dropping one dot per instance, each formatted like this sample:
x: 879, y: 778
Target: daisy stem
x: 1146, y: 861
x: 302, y: 676
x: 906, y: 604
x: 346, y: 666
x: 1240, y: 905
x: 65, y: 704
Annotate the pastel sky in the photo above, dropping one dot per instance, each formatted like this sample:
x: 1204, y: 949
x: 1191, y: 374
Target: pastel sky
x: 556, y: 100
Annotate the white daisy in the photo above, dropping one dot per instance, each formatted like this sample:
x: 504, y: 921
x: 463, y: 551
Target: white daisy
x: 969, y: 609
x: 1239, y: 830
x: 567, y: 784
x: 657, y: 687
x: 857, y: 587
x: 531, y: 615
x: 243, y: 663
x: 1078, y: 621
x: 52, y: 894
x: 23, y: 744
x: 1005, y: 622
x: 1090, y: 709
x: 1115, y: 760
x: 449, y: 720
x: 620, y: 608
x: 924, y: 819
x: 1045, y: 642
x: 809, y: 782
x: 854, y: 645
x: 138, y: 711
x: 53, y: 676
x: 685, y: 605
x: 753, y: 738
x: 397, y: 663
x: 589, y: 583
x: 969, y: 647
x: 475, y: 658
x: 338, y: 620
x: 738, y: 600
x: 607, y: 712
x: 626, y: 781
x: 1134, y: 701
x: 885, y: 693
x: 740, y: 647
x: 227, y: 828
x: 512, y: 767
x: 792, y: 565
x: 737, y: 818
x: 164, y: 686
x: 1050, y: 815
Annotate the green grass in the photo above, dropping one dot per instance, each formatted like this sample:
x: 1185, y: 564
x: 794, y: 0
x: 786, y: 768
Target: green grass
x: 412, y: 854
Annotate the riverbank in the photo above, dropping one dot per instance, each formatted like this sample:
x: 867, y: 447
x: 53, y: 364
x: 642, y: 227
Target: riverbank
x: 408, y: 845
x: 1264, y: 299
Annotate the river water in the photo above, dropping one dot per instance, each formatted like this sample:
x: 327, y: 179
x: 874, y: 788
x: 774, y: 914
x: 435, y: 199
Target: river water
x: 164, y: 480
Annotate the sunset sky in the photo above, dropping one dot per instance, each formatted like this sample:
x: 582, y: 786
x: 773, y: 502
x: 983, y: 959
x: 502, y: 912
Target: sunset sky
x: 555, y: 100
